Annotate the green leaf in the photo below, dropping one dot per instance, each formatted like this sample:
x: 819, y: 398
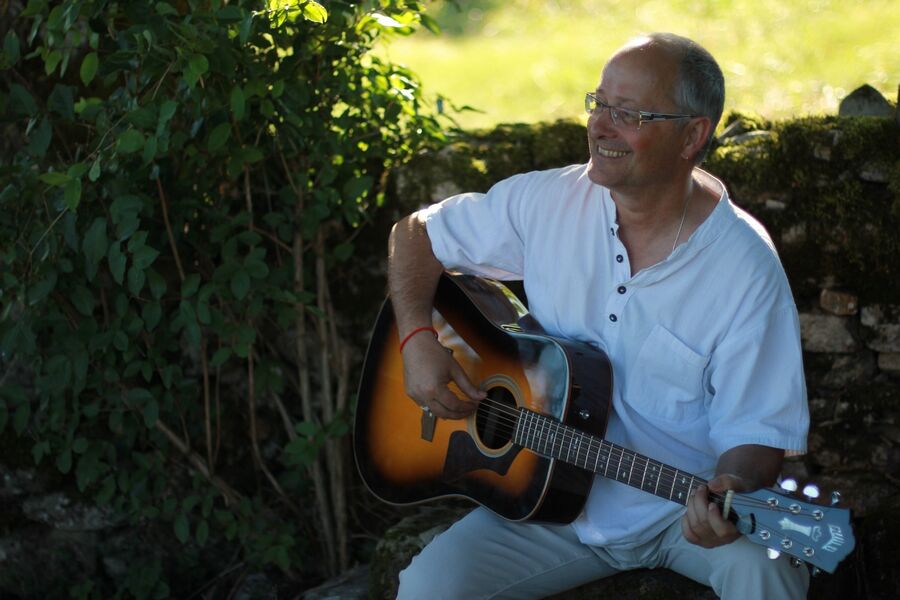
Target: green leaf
x: 55, y: 178
x: 94, y: 173
x: 89, y: 67
x: 39, y: 450
x: 136, y: 280
x: 11, y: 47
x: 64, y: 461
x: 62, y: 101
x: 42, y: 289
x: 40, y: 138
x: 182, y: 528
x: 83, y: 300
x: 167, y: 111
x: 72, y: 194
x: 95, y: 241
x: 80, y: 445
x: 202, y: 533
x: 164, y: 9
x: 51, y: 61
x: 219, y: 136
x: 189, y: 285
x: 151, y: 413
x: 144, y: 256
x: 130, y: 140
x: 157, y: 284
x: 238, y: 102
x: 343, y: 251
x: 199, y: 64
x: 240, y: 284
x: 20, y: 101
x: 430, y: 24
x: 315, y: 12
x: 218, y: 359
x: 151, y: 314
x: 117, y: 260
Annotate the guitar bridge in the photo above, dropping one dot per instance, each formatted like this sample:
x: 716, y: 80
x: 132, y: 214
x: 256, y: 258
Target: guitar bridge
x: 428, y: 422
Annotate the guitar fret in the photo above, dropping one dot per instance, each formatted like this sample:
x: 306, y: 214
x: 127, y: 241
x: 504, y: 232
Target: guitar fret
x: 658, y: 473
x: 644, y: 476
x: 608, y: 456
x: 631, y: 470
x: 674, y: 479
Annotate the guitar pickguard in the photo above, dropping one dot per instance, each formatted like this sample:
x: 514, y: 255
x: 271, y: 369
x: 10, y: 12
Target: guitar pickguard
x: 463, y: 457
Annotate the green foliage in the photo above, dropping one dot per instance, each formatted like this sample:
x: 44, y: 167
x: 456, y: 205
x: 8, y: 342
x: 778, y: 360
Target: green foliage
x: 175, y: 172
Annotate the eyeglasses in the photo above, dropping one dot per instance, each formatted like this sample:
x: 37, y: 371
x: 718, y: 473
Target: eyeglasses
x: 625, y: 117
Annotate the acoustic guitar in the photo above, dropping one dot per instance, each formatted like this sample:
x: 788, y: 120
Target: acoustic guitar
x: 533, y: 446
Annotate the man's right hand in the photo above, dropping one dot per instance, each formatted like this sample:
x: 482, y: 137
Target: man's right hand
x: 428, y: 369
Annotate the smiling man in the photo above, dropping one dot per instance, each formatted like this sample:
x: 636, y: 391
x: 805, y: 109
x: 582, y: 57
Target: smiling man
x: 640, y: 253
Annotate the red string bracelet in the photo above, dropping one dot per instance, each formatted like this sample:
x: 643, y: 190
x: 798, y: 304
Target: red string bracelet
x: 414, y: 332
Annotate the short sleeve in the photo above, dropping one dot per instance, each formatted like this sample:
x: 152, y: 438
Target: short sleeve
x: 481, y: 234
x: 759, y: 391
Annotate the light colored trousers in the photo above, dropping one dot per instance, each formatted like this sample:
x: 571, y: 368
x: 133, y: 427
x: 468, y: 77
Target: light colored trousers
x: 484, y: 556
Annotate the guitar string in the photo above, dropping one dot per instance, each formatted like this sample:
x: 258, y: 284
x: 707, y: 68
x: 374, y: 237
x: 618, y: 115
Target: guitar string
x: 667, y: 475
x: 509, y: 418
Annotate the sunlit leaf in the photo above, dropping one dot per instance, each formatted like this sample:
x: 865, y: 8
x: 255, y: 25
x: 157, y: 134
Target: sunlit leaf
x: 315, y: 12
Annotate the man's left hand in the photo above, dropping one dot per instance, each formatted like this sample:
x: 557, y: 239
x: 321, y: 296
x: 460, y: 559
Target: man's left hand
x: 703, y: 524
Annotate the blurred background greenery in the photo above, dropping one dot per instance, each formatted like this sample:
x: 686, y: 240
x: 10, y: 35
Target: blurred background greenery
x: 532, y: 60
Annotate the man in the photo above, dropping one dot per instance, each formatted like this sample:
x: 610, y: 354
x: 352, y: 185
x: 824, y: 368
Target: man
x: 640, y: 253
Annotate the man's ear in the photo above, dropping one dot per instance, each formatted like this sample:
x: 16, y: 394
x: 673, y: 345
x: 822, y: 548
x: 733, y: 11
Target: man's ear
x: 697, y: 133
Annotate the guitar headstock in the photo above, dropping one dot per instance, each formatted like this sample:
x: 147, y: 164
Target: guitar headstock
x: 787, y: 522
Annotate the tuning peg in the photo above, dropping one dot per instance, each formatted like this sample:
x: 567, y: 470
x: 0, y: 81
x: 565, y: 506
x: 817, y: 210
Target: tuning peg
x: 811, y: 491
x: 772, y: 553
x: 835, y: 497
x: 789, y: 485
x: 796, y: 562
x: 815, y: 571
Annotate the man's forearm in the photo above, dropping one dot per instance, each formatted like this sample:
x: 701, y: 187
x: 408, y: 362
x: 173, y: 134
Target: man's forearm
x: 413, y: 274
x: 757, y: 465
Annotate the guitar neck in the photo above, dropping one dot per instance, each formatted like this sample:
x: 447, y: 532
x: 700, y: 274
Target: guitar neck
x: 548, y: 437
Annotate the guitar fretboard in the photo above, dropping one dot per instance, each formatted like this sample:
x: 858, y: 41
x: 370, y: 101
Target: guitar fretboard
x: 548, y: 437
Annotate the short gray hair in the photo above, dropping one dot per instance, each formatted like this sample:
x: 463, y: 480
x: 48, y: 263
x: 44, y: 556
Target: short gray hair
x: 700, y: 87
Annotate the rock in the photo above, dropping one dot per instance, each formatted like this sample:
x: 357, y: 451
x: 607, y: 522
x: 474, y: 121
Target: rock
x: 849, y: 369
x: 875, y: 172
x: 351, y: 585
x: 865, y: 101
x: 887, y: 338
x: 59, y: 512
x: 879, y: 553
x: 403, y: 541
x: 751, y: 136
x: 839, y: 303
x: 257, y: 586
x: 889, y: 362
x: 826, y: 333
x: 641, y: 584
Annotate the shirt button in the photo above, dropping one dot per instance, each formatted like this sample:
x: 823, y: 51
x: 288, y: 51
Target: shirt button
x: 619, y: 258
x: 613, y: 318
x: 621, y: 289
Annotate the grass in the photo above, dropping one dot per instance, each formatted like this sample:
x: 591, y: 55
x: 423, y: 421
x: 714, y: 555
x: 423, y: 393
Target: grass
x: 530, y: 60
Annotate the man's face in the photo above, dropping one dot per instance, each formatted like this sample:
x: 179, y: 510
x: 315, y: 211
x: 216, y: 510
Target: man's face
x: 626, y: 159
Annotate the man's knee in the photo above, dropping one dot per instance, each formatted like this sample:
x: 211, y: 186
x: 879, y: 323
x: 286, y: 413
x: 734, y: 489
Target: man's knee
x: 746, y: 566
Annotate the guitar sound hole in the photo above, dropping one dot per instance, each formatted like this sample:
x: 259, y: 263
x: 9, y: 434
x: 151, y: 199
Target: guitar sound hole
x: 495, y: 418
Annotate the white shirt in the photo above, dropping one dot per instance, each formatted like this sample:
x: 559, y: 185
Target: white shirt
x: 705, y: 345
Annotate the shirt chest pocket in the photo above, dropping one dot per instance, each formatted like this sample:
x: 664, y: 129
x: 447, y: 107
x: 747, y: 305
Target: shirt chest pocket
x: 666, y: 382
